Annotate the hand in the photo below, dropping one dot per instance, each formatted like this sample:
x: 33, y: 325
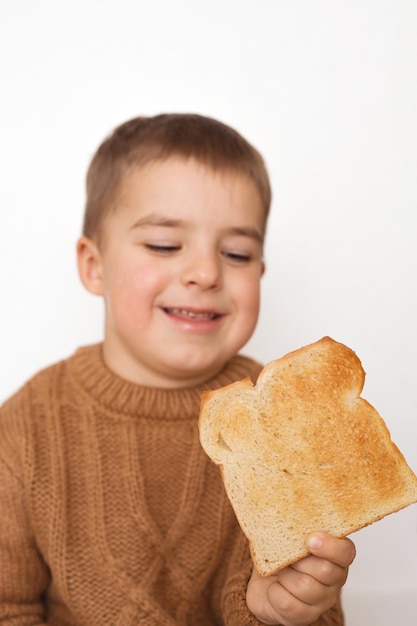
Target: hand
x: 298, y: 594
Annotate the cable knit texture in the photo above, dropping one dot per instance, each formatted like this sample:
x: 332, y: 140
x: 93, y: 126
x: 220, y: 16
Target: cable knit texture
x: 110, y: 512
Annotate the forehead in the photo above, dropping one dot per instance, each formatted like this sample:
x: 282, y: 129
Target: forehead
x: 185, y: 185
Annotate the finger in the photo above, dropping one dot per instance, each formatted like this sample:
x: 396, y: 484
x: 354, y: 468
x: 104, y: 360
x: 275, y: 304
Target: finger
x: 300, y: 597
x: 302, y: 585
x: 322, y: 570
x: 339, y: 551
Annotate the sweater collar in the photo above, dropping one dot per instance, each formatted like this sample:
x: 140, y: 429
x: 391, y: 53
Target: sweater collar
x: 110, y: 391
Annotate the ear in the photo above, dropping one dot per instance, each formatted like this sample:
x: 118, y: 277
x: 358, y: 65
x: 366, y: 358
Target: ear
x: 263, y: 268
x: 90, y: 266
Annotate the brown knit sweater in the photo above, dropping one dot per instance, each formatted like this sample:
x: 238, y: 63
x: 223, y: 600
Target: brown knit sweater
x: 110, y: 512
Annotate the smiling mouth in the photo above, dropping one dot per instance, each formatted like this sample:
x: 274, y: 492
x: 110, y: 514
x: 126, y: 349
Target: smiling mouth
x: 192, y: 315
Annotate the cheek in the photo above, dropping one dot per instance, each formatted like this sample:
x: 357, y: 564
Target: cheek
x: 247, y: 299
x: 253, y: 310
x: 135, y: 293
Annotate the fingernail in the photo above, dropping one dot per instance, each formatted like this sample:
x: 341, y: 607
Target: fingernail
x: 315, y: 542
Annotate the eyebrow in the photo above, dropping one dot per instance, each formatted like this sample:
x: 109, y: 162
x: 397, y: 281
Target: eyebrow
x: 246, y: 231
x: 155, y: 219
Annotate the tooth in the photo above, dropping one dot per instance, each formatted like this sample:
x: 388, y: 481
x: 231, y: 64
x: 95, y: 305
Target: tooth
x: 192, y: 314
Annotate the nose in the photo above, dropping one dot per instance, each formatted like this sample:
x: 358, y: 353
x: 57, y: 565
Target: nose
x: 202, y: 270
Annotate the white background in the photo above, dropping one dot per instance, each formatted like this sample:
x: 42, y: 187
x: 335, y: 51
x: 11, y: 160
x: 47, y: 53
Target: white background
x: 327, y: 91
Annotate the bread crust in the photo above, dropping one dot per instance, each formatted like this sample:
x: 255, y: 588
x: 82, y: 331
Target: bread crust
x: 301, y: 451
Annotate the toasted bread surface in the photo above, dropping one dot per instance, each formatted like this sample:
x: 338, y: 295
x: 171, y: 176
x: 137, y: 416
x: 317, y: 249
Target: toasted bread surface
x: 301, y: 451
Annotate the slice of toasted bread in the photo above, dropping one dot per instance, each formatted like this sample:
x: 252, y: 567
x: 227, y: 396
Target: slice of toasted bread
x: 300, y: 452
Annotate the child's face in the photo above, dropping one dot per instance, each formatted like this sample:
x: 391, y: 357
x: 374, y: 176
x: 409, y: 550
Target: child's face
x: 179, y: 268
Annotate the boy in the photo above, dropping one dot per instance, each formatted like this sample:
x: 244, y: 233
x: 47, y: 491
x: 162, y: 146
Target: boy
x: 110, y: 513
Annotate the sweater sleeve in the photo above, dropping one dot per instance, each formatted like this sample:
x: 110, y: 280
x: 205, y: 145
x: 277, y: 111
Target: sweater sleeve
x: 24, y: 576
x: 234, y: 608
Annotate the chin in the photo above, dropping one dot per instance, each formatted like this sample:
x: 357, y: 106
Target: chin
x: 196, y: 372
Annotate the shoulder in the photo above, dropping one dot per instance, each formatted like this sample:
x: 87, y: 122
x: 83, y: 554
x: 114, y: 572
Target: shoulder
x: 42, y: 384
x: 30, y: 391
x: 25, y: 412
x: 18, y: 411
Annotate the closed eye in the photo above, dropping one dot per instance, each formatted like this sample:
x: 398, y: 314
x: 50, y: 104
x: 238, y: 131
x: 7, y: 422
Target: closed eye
x: 238, y: 257
x: 162, y: 249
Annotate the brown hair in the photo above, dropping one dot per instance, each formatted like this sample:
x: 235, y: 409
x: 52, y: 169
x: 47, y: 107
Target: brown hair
x: 145, y: 139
